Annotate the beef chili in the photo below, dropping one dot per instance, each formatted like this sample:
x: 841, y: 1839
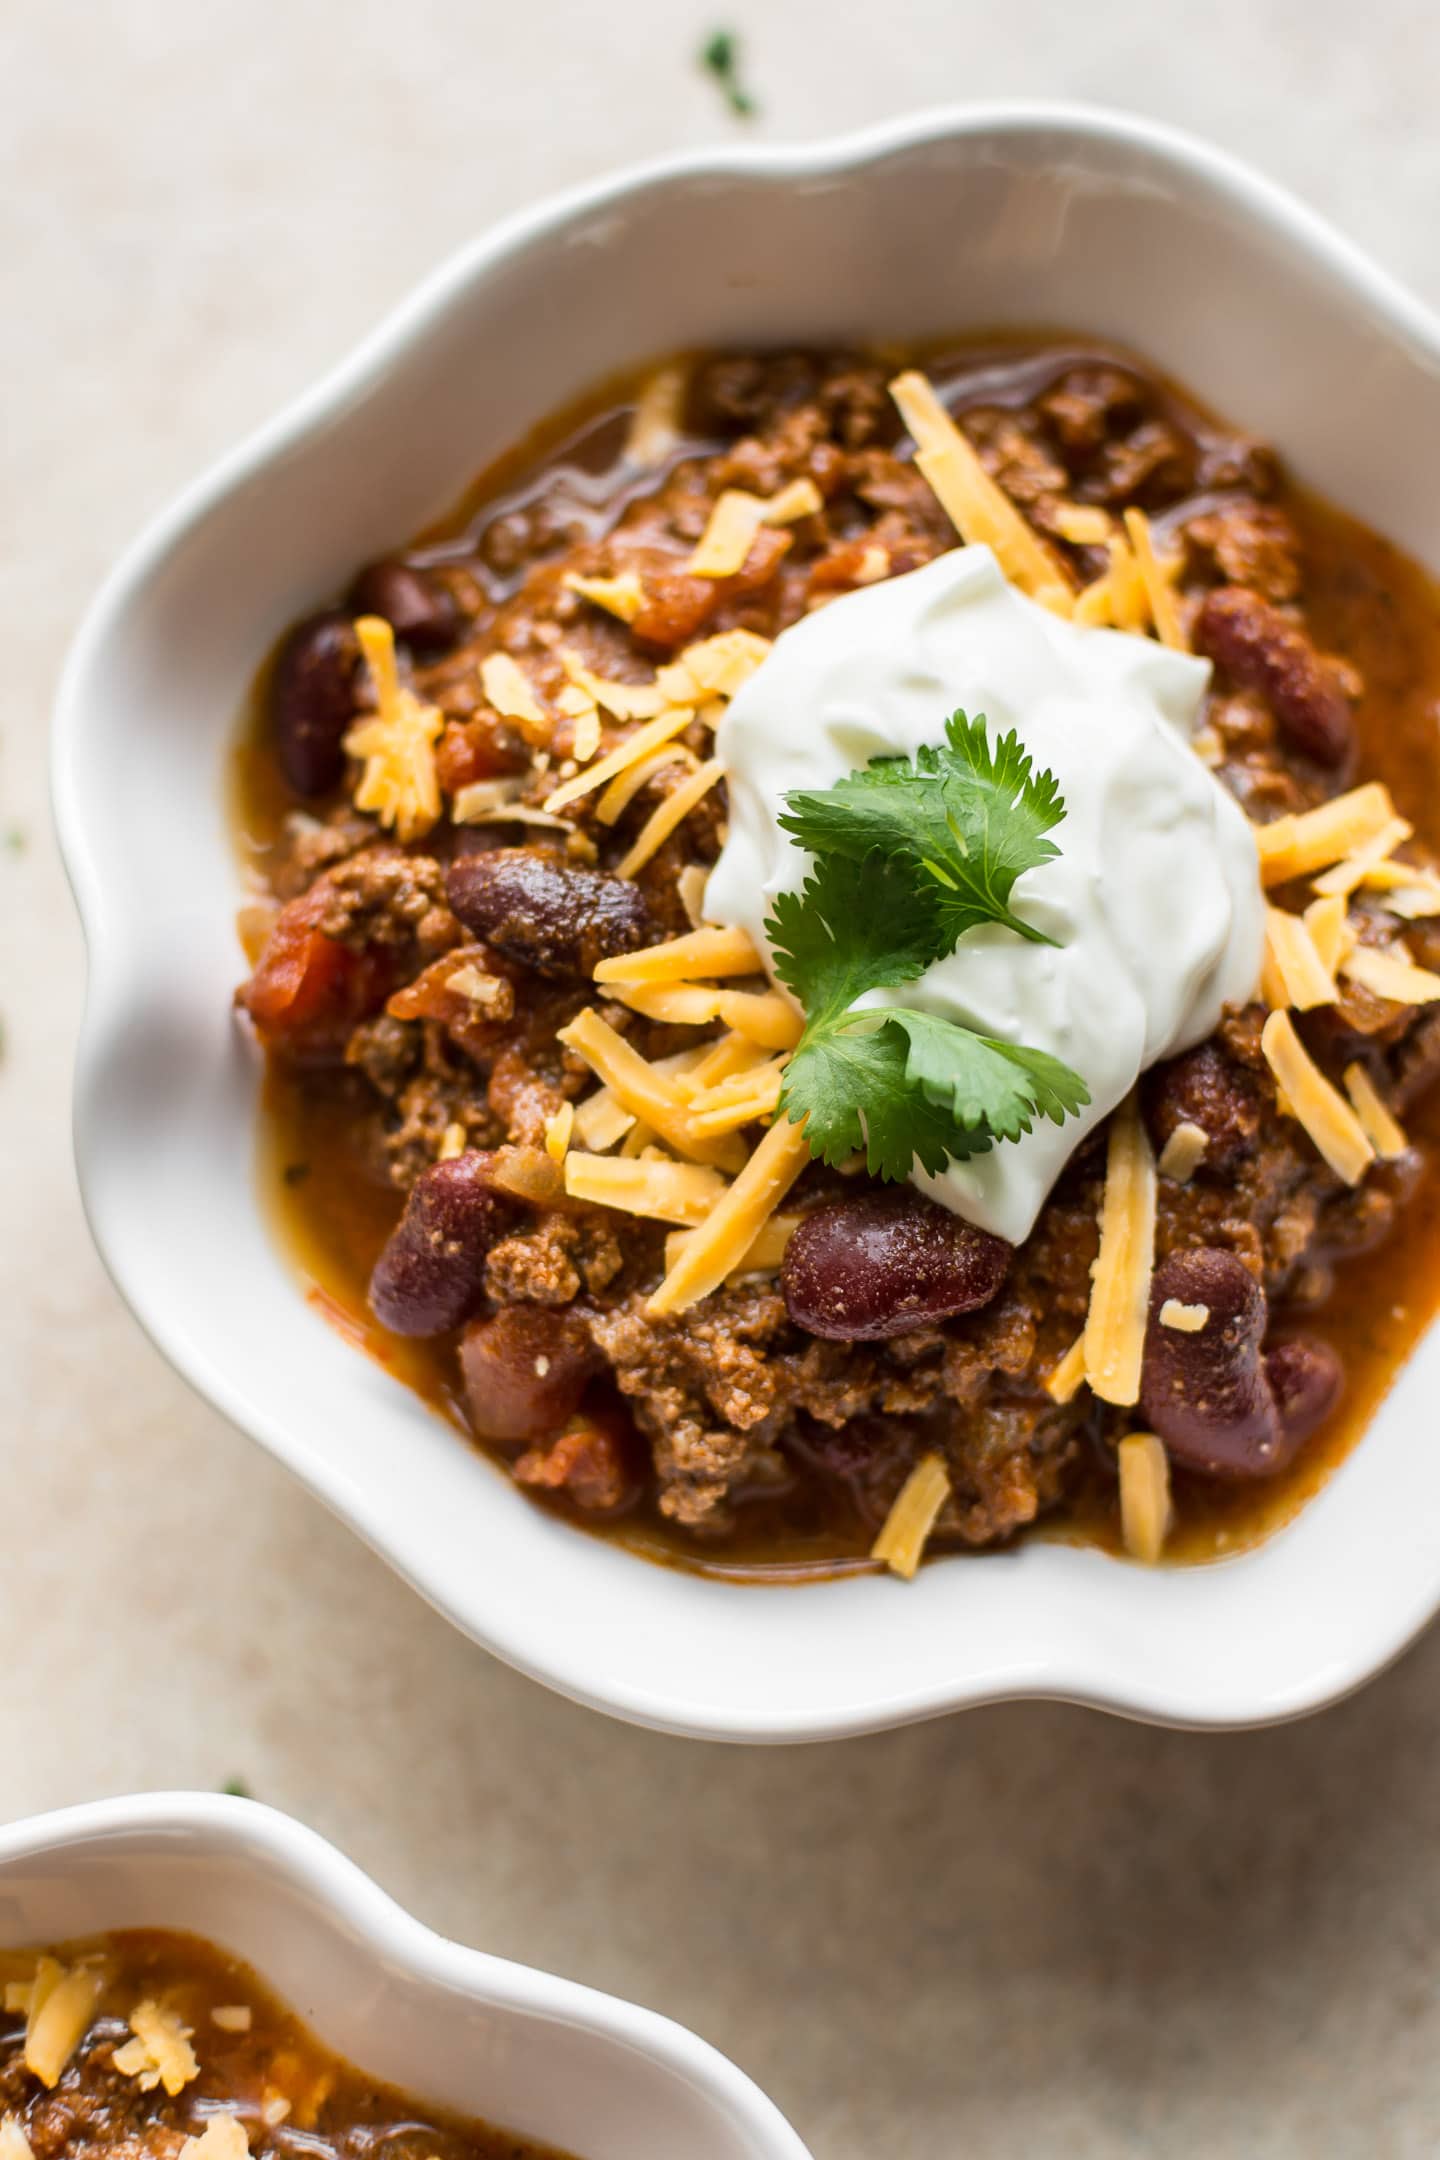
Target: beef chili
x: 153, y: 2045
x: 466, y: 1133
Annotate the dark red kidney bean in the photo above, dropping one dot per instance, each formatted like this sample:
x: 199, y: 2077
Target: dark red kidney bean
x: 1306, y: 1378
x: 431, y: 1275
x: 1204, y: 1087
x: 557, y: 920
x: 525, y: 1369
x: 313, y: 701
x: 417, y: 607
x: 1207, y: 1394
x: 1262, y: 650
x: 883, y: 1263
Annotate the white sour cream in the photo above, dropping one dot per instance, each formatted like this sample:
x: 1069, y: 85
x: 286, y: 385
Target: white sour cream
x: 1154, y: 899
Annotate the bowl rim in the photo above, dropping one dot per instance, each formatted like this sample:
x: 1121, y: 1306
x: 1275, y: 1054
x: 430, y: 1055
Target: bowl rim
x: 290, y: 1851
x: 1211, y: 170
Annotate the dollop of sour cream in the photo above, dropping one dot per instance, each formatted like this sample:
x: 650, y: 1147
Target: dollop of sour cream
x: 1154, y: 899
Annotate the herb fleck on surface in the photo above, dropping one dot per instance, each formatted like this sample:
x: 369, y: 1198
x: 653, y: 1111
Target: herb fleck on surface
x: 720, y: 57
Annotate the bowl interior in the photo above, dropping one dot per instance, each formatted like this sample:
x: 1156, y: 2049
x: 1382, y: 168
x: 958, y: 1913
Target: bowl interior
x: 452, y: 2027
x: 980, y: 222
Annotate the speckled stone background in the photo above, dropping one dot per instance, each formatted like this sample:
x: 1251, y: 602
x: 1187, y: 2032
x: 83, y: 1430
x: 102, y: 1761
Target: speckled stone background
x: 1030, y: 1931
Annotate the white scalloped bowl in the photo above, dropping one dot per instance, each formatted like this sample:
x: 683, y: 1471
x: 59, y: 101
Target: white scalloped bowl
x: 966, y: 219
x: 455, y: 2027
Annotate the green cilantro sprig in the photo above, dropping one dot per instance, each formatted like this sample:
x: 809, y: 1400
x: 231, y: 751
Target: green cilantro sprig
x: 969, y: 818
x: 910, y: 854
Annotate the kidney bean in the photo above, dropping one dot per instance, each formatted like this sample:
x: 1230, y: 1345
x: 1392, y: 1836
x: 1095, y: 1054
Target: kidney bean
x: 431, y: 1275
x: 1306, y: 1378
x: 883, y: 1263
x: 525, y: 1369
x: 554, y: 919
x: 417, y: 606
x: 1262, y: 650
x: 313, y: 701
x: 1209, y: 1394
x: 1204, y: 1087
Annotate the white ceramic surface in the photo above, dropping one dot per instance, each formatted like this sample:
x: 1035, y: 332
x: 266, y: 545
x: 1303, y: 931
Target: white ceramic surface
x: 967, y: 219
x: 453, y: 2026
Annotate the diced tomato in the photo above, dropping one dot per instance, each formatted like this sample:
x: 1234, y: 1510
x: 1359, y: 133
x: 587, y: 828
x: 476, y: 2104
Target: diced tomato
x: 587, y: 1463
x: 308, y: 991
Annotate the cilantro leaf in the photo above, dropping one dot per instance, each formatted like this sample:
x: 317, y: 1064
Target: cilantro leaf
x: 847, y: 1079
x: 899, y: 1083
x: 970, y: 818
x: 986, y: 1085
x: 853, y: 926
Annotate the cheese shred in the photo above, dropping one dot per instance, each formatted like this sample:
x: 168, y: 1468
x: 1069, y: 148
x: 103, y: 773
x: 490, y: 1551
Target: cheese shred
x: 1065, y: 1380
x: 669, y: 814
x: 1145, y: 1508
x: 980, y: 510
x: 1314, y: 1103
x: 648, y: 1095
x: 1379, y: 1124
x: 731, y: 1228
x: 685, y: 1193
x: 1120, y: 1288
x: 681, y: 959
x: 902, y: 1540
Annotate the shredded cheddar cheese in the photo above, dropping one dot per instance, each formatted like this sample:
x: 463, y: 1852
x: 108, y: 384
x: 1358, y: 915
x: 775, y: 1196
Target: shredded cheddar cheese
x: 762, y: 1257
x: 1347, y: 874
x: 691, y: 887
x: 659, y: 410
x: 1158, y: 594
x: 912, y: 1517
x: 14, y: 2145
x: 1083, y: 525
x: 798, y: 499
x: 622, y: 596
x: 1294, y: 972
x: 396, y: 743
x: 512, y: 694
x: 686, y: 1193
x: 1183, y: 1152
x: 160, y: 2053
x: 1378, y: 1122
x: 61, y: 2006
x: 681, y: 959
x: 626, y: 785
x: 1391, y: 975
x: 223, y: 2138
x: 666, y: 815
x: 1314, y: 1103
x: 1187, y: 1319
x: 644, y: 1092
x: 558, y: 1130
x: 979, y: 510
x: 732, y: 1226
x: 1145, y: 1507
x: 1309, y: 840
x: 639, y: 745
x: 729, y: 535
x: 1120, y: 1286
x: 1064, y: 1382
x: 751, y: 1097
x: 1330, y: 932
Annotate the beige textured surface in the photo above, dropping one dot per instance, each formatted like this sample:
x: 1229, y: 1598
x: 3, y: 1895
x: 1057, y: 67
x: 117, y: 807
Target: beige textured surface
x: 1026, y: 1932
